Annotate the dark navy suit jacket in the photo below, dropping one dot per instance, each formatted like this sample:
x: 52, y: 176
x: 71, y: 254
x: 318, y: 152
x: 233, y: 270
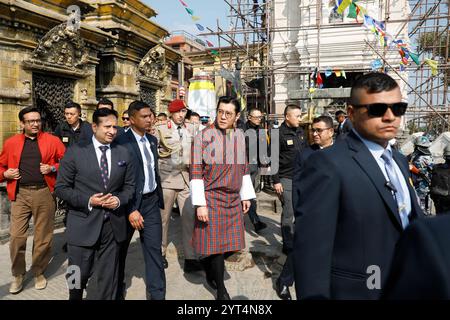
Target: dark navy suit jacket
x: 347, y: 222
x: 128, y: 140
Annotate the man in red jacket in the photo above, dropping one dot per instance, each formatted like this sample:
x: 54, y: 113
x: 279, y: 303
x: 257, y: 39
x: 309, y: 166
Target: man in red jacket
x: 28, y: 163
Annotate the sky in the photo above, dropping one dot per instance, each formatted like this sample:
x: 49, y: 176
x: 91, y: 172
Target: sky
x: 173, y: 16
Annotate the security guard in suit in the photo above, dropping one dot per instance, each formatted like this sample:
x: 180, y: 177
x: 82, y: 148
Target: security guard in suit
x: 175, y: 138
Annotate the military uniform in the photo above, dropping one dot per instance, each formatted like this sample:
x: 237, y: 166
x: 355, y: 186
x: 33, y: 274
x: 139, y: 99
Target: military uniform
x: 174, y: 147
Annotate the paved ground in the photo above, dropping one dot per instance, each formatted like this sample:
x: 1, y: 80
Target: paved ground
x: 249, y: 275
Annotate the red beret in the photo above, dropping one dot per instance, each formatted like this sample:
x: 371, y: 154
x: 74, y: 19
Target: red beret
x: 176, y: 105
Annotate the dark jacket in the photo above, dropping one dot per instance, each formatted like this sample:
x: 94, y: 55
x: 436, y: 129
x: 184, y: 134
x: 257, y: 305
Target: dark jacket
x: 300, y: 159
x: 342, y: 131
x: 290, y: 141
x: 421, y: 265
x: 128, y: 140
x: 348, y: 223
x: 79, y: 178
x: 261, y: 140
x: 69, y: 136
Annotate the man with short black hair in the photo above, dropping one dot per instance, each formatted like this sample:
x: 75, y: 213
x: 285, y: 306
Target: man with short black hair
x: 144, y: 209
x: 254, y: 123
x: 126, y: 120
x: 105, y: 103
x: 28, y: 163
x: 291, y: 140
x: 322, y: 133
x: 344, y: 124
x: 73, y: 129
x: 342, y: 237
x: 96, y: 179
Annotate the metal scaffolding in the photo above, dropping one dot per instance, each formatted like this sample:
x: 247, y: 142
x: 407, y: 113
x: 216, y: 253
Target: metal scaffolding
x: 252, y: 29
x: 429, y: 95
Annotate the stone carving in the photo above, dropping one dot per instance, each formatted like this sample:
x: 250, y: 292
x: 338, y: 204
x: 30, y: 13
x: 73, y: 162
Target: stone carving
x: 50, y: 96
x: 62, y: 48
x: 153, y: 67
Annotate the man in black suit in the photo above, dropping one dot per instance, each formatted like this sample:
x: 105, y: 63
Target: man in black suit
x: 344, y: 124
x: 143, y: 213
x: 96, y: 179
x: 359, y: 200
x: 322, y: 137
x: 421, y: 264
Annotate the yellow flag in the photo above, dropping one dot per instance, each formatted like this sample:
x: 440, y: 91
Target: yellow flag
x: 344, y: 4
x: 433, y: 65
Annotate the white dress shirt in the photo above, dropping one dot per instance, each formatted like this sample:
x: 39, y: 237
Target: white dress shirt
x: 98, y: 153
x: 377, y: 150
x: 148, y: 187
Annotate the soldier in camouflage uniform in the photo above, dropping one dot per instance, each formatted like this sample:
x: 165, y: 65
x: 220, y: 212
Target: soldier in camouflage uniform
x: 175, y: 139
x: 421, y: 163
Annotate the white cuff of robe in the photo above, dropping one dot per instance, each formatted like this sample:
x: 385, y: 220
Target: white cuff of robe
x: 197, y: 192
x: 247, y: 191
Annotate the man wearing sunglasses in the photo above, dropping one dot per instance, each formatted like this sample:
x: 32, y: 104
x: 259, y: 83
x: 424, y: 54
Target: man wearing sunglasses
x: 347, y: 228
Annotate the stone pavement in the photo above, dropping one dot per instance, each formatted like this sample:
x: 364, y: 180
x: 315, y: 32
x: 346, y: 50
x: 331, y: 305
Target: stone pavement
x: 249, y: 275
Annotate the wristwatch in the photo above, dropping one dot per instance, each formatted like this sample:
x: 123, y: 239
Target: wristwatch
x: 53, y: 169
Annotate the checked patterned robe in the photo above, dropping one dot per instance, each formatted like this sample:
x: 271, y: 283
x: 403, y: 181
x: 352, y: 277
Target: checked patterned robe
x: 218, y: 158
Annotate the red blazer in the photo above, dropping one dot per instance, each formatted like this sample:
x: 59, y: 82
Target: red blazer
x: 51, y: 148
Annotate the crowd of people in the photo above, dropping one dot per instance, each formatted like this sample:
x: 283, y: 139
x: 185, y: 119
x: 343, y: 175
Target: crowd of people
x: 347, y: 196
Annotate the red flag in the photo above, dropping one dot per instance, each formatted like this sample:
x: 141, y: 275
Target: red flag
x: 319, y: 80
x: 209, y: 44
x: 183, y: 3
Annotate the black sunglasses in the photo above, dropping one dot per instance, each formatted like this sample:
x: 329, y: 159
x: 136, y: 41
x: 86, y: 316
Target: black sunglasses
x: 125, y: 118
x: 379, y: 109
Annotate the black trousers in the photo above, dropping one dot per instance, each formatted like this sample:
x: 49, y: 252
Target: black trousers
x: 151, y: 241
x: 104, y: 257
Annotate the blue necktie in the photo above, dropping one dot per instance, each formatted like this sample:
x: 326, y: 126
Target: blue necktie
x: 148, y: 160
x: 104, y: 166
x: 399, y: 196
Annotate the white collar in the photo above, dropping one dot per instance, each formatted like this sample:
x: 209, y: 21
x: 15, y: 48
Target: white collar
x: 374, y: 148
x: 98, y: 144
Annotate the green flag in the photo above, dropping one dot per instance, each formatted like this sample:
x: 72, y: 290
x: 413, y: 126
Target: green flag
x: 189, y: 11
x: 215, y: 52
x: 352, y: 11
x: 415, y: 57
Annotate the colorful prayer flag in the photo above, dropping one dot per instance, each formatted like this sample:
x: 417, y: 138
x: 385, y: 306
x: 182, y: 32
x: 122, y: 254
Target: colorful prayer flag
x: 338, y: 73
x: 200, y: 27
x: 415, y: 57
x: 189, y: 11
x: 195, y: 18
x: 352, y: 11
x: 215, y: 52
x: 433, y: 65
x: 344, y: 4
x: 183, y: 3
x: 209, y: 43
x: 328, y: 73
x: 344, y: 74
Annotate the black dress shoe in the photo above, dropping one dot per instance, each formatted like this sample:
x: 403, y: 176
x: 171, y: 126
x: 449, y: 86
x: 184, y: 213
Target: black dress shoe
x: 259, y: 226
x: 224, y: 296
x: 165, y: 263
x: 64, y: 247
x: 283, y: 291
x: 211, y: 283
x: 191, y: 265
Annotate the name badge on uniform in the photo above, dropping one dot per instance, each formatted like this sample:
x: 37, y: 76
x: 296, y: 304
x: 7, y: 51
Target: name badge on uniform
x: 65, y: 139
x: 290, y: 142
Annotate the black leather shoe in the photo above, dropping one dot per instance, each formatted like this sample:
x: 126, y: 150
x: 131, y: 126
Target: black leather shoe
x: 225, y: 296
x: 165, y: 263
x: 282, y: 291
x: 211, y: 283
x: 191, y: 265
x: 64, y: 247
x: 259, y: 226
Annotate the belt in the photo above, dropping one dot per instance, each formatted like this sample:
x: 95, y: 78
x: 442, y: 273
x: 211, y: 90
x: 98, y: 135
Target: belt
x: 149, y: 194
x: 33, y: 186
